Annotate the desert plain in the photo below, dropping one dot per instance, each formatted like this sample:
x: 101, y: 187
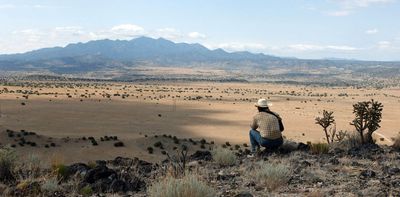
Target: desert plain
x: 140, y: 113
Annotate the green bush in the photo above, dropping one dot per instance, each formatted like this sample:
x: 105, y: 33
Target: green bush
x: 61, y: 171
x: 86, y: 191
x: 319, y: 148
x: 224, y: 156
x: 270, y: 175
x: 7, y: 165
x: 188, y: 186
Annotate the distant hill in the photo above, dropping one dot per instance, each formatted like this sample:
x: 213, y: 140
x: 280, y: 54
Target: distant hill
x: 121, y: 56
x: 136, y: 50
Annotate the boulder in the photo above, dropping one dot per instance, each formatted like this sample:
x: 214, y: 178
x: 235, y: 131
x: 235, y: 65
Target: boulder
x: 201, y: 155
x: 100, y: 173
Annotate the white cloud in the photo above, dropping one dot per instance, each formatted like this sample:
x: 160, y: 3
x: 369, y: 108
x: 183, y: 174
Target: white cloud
x: 342, y: 48
x: 313, y: 47
x: 305, y: 47
x: 196, y: 35
x: 168, y: 33
x: 237, y: 46
x: 339, y: 13
x: 384, y: 44
x: 371, y: 31
x: 349, y: 4
x: 127, y: 31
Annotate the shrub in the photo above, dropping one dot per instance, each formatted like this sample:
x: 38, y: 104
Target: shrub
x: 224, y: 156
x: 86, y: 191
x: 119, y: 144
x: 272, y: 176
x: 189, y: 185
x: 351, y: 140
x: 50, y: 185
x: 150, y: 150
x: 7, y: 165
x: 237, y: 147
x: 61, y: 171
x: 319, y: 148
x: 158, y: 144
x: 326, y: 121
x: 33, y: 164
x: 368, y: 117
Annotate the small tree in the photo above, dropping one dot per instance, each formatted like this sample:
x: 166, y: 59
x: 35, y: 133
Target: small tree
x: 368, y: 117
x: 325, y: 121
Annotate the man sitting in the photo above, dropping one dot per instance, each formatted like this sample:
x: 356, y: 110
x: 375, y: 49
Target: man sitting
x: 266, y: 128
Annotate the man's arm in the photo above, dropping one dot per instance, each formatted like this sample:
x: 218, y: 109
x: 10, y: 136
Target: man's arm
x: 254, y: 124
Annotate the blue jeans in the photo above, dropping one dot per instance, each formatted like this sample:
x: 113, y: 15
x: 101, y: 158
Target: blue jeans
x: 256, y: 141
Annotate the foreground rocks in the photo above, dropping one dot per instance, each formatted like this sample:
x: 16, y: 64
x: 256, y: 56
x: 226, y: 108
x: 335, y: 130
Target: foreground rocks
x: 365, y: 171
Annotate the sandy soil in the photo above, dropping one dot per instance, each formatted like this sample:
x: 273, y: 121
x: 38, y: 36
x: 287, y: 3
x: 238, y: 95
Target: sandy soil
x: 223, y: 113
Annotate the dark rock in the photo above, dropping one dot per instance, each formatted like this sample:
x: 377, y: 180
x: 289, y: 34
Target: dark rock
x: 100, y: 173
x: 142, y: 167
x: 393, y: 171
x: 244, y: 194
x: 305, y: 163
x: 251, y: 184
x: 101, y: 163
x: 365, y: 151
x: 80, y: 168
x: 118, y: 186
x: 334, y: 161
x: 367, y: 174
x: 122, y: 161
x: 303, y: 147
x: 355, y: 163
x: 201, y: 155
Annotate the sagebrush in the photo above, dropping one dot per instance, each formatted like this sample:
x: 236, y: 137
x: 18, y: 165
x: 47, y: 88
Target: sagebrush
x: 187, y: 186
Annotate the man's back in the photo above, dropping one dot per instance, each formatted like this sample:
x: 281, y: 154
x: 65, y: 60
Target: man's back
x: 267, y: 124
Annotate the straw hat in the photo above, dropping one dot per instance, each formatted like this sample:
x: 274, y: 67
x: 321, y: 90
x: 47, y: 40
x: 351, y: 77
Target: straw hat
x: 262, y: 103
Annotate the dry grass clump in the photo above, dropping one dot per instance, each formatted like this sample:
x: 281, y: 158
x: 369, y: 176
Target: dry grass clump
x: 50, y: 185
x: 271, y: 175
x: 187, y: 186
x: 351, y: 140
x: 7, y: 164
x: 319, y: 148
x: 224, y: 156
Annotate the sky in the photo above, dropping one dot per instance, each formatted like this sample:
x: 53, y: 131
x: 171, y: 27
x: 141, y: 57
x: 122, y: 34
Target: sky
x: 351, y: 29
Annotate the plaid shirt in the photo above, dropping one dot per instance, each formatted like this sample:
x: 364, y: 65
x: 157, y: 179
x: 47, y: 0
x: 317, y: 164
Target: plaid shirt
x: 267, y: 124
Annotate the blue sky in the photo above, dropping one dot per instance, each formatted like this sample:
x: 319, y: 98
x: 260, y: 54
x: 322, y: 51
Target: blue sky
x: 357, y: 29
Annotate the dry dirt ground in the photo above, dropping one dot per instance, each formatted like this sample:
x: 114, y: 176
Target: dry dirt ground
x: 218, y: 112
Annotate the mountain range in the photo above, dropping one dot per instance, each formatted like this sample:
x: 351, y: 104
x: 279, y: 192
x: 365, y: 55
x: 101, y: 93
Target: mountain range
x: 123, y: 55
